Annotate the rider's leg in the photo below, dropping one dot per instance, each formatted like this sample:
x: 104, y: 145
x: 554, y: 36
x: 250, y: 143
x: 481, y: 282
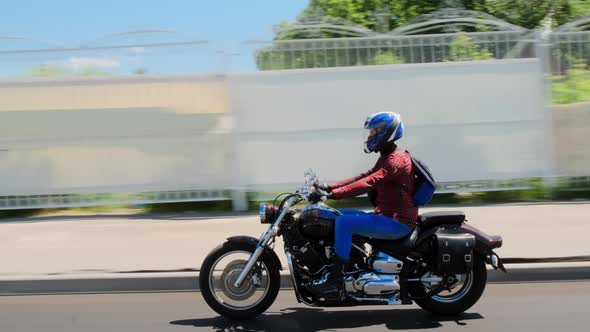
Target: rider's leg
x: 371, y: 225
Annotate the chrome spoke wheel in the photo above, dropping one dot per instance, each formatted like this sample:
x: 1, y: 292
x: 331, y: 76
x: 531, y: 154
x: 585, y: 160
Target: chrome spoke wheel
x: 457, y: 290
x: 225, y: 271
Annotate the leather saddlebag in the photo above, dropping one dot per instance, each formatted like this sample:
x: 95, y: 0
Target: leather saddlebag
x: 454, y: 251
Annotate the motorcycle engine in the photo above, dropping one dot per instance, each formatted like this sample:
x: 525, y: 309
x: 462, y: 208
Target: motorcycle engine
x: 383, y: 280
x: 373, y: 284
x: 311, y: 257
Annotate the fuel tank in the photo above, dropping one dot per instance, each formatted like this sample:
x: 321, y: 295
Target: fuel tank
x: 317, y: 222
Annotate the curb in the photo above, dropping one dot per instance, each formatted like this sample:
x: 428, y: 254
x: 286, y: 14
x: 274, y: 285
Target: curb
x: 188, y: 281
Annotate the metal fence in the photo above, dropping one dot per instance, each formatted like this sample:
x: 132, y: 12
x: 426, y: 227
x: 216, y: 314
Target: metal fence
x: 570, y: 66
x: 105, y: 199
x: 386, y: 49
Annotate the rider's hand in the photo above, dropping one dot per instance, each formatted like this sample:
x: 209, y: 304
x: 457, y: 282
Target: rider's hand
x: 315, y: 197
x: 323, y: 187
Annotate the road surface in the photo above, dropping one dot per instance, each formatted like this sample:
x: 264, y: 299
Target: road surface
x: 504, y: 307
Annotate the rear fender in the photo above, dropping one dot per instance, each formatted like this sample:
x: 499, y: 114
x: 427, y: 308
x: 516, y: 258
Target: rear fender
x: 253, y: 242
x: 485, y: 243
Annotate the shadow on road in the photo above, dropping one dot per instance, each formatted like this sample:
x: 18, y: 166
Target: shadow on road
x: 315, y: 319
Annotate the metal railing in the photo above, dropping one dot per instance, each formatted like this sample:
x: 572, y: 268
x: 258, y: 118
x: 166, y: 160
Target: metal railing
x: 106, y: 199
x: 386, y: 49
x: 570, y: 66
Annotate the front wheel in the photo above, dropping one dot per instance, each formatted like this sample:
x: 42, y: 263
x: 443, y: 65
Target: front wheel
x: 220, y: 270
x: 461, y: 297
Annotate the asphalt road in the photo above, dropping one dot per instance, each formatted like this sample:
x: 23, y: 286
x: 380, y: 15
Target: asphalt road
x: 510, y: 307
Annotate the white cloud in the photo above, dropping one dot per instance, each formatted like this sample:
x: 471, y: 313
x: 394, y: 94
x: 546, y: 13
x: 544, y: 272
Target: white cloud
x: 77, y: 63
x: 137, y: 49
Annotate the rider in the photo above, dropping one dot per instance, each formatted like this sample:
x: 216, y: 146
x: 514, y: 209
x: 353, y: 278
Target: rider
x: 391, y: 183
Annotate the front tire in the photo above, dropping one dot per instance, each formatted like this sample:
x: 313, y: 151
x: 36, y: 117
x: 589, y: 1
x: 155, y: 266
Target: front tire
x: 450, y: 305
x: 207, y: 282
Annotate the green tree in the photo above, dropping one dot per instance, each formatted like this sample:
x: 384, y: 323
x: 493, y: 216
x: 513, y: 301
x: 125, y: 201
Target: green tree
x: 463, y: 49
x: 375, y: 14
x: 573, y: 86
x: 140, y: 71
x: 51, y: 70
x: 46, y: 70
x: 526, y: 13
x: 386, y: 58
x: 90, y: 71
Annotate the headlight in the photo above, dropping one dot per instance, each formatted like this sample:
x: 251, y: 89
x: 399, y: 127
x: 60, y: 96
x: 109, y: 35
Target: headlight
x: 267, y: 213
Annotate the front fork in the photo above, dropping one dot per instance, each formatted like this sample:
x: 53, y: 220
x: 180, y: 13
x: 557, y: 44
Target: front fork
x: 264, y: 240
x: 255, y: 256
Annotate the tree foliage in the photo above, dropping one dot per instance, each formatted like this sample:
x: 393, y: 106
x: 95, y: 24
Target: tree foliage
x: 386, y: 15
x: 46, y: 70
x: 573, y: 85
x: 463, y: 49
x: 386, y: 58
x: 529, y: 14
x: 51, y: 70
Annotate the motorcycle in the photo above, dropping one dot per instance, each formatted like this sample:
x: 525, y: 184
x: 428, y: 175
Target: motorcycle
x: 440, y: 265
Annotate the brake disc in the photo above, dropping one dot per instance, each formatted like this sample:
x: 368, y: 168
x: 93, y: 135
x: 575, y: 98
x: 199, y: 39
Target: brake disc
x: 230, y: 275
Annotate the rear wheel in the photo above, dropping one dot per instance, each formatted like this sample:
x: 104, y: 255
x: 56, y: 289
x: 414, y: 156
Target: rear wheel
x: 462, y: 296
x: 221, y: 269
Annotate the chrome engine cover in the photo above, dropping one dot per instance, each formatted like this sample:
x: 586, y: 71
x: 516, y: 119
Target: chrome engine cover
x: 373, y: 284
x: 383, y: 263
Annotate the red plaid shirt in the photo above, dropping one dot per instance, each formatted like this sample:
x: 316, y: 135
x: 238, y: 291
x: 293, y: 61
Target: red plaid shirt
x: 393, y: 179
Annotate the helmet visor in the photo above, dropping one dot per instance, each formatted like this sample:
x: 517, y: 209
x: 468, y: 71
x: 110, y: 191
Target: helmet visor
x: 375, y: 132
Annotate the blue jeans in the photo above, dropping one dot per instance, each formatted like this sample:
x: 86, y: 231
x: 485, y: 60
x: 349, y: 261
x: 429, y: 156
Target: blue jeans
x: 361, y: 223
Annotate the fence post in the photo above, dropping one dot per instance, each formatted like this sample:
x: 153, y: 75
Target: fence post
x: 239, y: 200
x: 543, y: 54
x: 238, y: 194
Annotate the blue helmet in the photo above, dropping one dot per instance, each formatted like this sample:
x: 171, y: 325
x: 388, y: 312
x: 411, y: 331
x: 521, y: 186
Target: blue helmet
x: 383, y: 127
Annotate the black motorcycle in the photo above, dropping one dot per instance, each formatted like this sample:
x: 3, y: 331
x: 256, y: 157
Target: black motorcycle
x: 441, y: 265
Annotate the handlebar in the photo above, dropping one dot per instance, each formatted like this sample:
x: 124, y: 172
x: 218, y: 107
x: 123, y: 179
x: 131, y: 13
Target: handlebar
x: 310, y: 186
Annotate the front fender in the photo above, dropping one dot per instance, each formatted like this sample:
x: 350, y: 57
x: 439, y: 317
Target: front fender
x: 252, y: 241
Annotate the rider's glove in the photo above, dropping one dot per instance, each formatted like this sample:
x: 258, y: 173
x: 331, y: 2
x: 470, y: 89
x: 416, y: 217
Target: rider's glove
x: 315, y: 197
x: 323, y: 187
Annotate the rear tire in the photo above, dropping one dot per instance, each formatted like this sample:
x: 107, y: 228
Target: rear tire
x: 466, y: 301
x: 234, y: 313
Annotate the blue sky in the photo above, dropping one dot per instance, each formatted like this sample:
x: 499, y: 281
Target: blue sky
x: 224, y: 23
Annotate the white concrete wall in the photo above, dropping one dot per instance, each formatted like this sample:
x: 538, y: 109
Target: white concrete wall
x: 114, y: 135
x: 468, y: 120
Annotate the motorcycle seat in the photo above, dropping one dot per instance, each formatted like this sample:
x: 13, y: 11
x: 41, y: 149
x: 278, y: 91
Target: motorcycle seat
x: 437, y: 218
x: 397, y: 248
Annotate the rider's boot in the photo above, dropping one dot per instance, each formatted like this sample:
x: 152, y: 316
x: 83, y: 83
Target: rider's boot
x: 332, y: 283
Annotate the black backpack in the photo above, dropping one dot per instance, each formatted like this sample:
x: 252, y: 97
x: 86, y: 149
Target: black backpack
x: 424, y: 183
